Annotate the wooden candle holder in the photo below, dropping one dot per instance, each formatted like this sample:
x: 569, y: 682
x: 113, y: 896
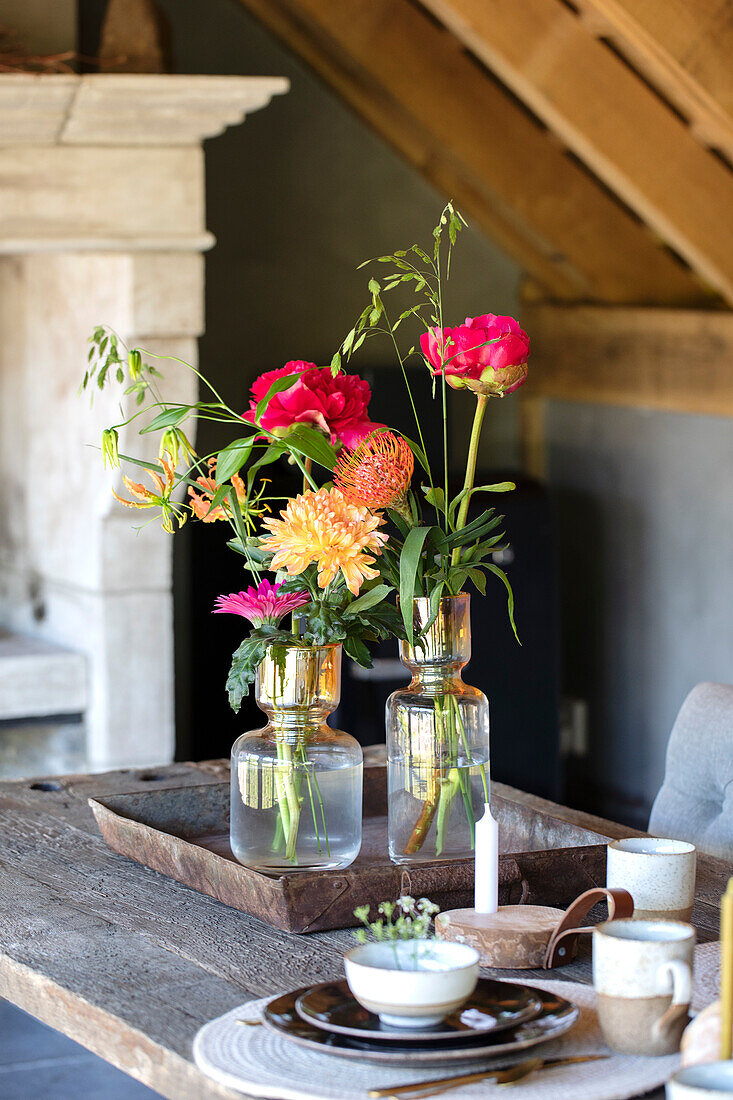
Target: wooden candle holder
x: 527, y: 937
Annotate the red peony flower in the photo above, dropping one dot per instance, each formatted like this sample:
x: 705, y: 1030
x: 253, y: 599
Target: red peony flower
x: 488, y: 354
x: 336, y: 405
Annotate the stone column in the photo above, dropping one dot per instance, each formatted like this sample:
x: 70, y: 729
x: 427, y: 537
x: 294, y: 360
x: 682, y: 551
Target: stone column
x: 101, y: 222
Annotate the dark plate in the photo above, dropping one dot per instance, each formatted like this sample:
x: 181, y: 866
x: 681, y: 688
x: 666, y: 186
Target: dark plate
x: 492, y: 1007
x: 557, y: 1017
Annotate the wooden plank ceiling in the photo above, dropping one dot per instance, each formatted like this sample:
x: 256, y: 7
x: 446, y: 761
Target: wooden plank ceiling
x: 589, y: 140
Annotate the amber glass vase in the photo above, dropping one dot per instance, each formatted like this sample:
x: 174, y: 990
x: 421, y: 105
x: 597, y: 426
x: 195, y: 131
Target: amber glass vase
x: 297, y: 783
x: 437, y: 742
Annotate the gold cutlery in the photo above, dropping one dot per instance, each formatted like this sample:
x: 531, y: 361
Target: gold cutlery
x: 505, y: 1076
x: 526, y: 1069
x: 249, y: 1023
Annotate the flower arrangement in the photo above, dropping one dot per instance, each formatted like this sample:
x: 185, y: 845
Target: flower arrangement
x: 360, y: 533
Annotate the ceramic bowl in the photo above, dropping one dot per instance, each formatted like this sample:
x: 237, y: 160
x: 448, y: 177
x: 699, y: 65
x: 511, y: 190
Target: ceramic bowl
x: 412, y: 983
x: 703, y: 1082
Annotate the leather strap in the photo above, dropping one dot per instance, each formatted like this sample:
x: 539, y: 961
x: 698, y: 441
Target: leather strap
x: 561, y: 946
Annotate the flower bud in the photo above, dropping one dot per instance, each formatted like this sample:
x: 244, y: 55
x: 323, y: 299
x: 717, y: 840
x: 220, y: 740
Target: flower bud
x: 110, y: 440
x: 170, y: 443
x: 188, y: 452
x: 134, y: 364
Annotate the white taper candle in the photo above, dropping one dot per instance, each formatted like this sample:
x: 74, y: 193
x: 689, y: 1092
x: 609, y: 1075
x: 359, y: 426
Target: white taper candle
x: 486, y: 890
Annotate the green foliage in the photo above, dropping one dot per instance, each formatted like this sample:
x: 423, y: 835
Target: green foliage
x: 248, y: 657
x: 105, y: 362
x: 404, y: 919
x: 338, y: 617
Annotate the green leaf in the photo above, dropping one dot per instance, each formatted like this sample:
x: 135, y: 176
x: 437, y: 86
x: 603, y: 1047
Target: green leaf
x: 434, y: 496
x: 268, y: 456
x: 145, y: 465
x: 510, y: 595
x: 220, y: 495
x: 168, y: 418
x: 474, y: 554
x: 478, y: 527
x: 277, y: 386
x: 231, y: 459
x: 243, y: 668
x: 237, y: 515
x: 369, y: 599
x: 458, y: 577
x: 498, y: 487
x: 435, y: 597
x: 478, y: 579
x: 409, y: 564
x: 358, y: 652
x: 418, y: 452
x: 307, y: 441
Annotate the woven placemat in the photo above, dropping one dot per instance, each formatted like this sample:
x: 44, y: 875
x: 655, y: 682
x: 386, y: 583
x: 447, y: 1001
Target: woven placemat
x: 261, y: 1063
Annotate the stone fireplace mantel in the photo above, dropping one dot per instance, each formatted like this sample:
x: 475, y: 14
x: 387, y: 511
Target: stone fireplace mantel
x: 102, y: 221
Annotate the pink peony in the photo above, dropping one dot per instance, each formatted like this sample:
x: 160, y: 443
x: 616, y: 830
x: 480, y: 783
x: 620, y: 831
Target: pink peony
x: 471, y: 362
x: 262, y: 604
x: 337, y: 406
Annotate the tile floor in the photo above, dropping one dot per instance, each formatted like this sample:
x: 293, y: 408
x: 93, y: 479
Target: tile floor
x: 38, y: 1063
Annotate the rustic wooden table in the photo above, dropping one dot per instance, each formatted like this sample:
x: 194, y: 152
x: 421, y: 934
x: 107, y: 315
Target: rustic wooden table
x: 129, y: 963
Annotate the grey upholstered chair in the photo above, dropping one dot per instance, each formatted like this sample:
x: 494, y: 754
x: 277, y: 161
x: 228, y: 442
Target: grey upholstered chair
x: 695, y: 802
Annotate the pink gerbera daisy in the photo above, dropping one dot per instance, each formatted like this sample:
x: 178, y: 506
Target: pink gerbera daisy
x: 262, y: 604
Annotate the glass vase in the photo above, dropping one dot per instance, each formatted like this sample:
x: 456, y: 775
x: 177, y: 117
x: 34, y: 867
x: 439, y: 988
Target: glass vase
x: 296, y: 783
x: 437, y: 742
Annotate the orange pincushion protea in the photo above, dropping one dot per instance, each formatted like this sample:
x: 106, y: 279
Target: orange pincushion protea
x: 324, y: 528
x: 377, y: 473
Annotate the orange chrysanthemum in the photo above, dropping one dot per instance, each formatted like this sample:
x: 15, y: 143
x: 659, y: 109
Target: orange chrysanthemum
x: 377, y: 473
x: 201, y: 502
x: 324, y: 528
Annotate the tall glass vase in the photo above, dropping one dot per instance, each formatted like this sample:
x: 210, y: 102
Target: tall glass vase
x: 437, y: 742
x: 297, y: 783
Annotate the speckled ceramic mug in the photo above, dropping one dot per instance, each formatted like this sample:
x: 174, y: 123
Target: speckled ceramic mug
x: 659, y: 874
x: 642, y: 974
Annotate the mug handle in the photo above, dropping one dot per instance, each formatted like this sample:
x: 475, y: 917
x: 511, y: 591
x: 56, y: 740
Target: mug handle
x: 681, y: 975
x: 562, y: 941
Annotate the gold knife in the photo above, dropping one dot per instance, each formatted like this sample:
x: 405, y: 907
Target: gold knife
x: 508, y: 1075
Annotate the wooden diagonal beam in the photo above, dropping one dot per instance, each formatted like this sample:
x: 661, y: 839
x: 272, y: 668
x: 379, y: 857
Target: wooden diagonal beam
x: 416, y: 86
x: 684, y: 49
x: 608, y: 116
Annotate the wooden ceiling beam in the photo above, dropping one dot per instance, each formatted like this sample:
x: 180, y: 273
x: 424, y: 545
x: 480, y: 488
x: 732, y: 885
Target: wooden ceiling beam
x: 671, y: 359
x: 416, y: 87
x: 608, y: 116
x: 684, y: 49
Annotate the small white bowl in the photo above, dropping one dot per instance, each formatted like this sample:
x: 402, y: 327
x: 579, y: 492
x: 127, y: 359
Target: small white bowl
x: 702, y: 1082
x: 412, y: 983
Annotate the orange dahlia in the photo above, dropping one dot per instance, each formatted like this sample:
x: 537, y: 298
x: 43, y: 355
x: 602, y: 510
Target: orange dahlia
x: 324, y: 528
x: 377, y: 473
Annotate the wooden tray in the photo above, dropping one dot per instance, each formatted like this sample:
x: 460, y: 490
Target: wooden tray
x: 183, y: 832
